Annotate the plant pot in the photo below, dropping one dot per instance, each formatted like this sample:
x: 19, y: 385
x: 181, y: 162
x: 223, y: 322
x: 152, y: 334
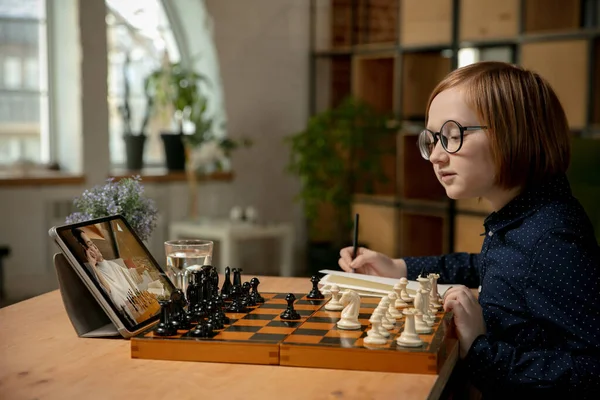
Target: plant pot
x: 134, y: 150
x: 174, y: 151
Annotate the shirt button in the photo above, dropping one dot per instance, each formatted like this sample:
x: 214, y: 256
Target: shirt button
x: 490, y: 233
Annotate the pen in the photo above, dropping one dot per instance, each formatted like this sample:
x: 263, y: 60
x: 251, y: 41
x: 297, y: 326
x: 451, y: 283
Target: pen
x: 355, y: 238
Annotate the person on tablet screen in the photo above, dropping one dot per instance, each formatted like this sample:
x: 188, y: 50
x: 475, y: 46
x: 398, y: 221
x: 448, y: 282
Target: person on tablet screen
x: 113, y: 278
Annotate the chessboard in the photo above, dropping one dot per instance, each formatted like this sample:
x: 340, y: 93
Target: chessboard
x: 261, y: 336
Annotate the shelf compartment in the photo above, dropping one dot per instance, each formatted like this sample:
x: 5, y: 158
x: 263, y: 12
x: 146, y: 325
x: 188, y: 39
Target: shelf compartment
x: 332, y: 24
x: 467, y: 233
x: 377, y: 22
x: 421, y: 72
x: 469, y: 55
x: 417, y: 180
x: 482, y: 20
x: 423, y: 233
x: 332, y: 81
x: 378, y: 228
x: 425, y: 22
x: 595, y: 117
x: 564, y: 64
x: 373, y: 80
x: 552, y: 16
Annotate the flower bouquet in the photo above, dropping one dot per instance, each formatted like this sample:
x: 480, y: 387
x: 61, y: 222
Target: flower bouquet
x: 125, y: 197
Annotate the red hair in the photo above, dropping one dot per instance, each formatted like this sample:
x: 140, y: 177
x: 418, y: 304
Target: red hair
x: 528, y: 128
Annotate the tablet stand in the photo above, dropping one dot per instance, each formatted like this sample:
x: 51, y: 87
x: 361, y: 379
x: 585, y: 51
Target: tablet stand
x: 86, y: 315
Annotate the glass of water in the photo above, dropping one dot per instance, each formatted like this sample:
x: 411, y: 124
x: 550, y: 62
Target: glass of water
x: 185, y: 256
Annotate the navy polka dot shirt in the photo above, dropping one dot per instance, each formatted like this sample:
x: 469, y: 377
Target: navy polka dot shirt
x: 539, y: 271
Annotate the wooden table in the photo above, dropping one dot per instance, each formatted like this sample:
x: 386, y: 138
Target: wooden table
x: 41, y: 357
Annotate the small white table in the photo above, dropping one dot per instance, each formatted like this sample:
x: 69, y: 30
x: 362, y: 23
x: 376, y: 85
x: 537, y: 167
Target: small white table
x: 228, y: 233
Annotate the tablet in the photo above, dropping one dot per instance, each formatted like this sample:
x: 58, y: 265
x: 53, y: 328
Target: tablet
x: 118, y: 270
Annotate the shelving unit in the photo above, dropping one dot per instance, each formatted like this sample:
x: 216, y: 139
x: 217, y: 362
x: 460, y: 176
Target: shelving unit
x: 392, y: 53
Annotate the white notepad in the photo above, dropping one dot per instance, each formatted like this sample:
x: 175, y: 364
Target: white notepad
x: 367, y: 285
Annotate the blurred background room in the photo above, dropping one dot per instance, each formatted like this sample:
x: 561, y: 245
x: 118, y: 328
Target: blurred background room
x: 289, y: 117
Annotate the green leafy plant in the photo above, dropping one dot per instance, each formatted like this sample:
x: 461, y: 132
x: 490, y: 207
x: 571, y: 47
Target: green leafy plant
x: 339, y: 151
x: 177, y: 90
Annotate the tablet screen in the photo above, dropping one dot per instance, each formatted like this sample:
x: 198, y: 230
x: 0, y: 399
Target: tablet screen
x: 122, y: 268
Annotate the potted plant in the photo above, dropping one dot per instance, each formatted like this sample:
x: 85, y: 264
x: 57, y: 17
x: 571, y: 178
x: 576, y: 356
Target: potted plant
x: 336, y: 155
x: 134, y: 140
x: 176, y: 92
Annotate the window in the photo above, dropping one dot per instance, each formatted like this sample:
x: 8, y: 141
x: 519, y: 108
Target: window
x: 23, y: 82
x: 139, y: 37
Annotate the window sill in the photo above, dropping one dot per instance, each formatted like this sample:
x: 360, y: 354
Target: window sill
x: 161, y: 175
x: 13, y: 178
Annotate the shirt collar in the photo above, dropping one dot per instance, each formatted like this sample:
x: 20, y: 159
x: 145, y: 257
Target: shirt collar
x: 527, y: 202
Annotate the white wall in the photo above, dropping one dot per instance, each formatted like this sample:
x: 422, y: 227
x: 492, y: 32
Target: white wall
x: 263, y: 53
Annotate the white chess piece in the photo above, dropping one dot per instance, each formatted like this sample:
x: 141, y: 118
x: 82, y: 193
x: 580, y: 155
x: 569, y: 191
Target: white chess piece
x: 399, y: 302
x: 385, y: 304
x: 334, y: 304
x: 409, y: 337
x: 421, y: 326
x: 374, y: 335
x: 403, y: 292
x: 382, y: 330
x: 434, y: 296
x: 392, y: 296
x: 349, y: 320
x: 385, y: 322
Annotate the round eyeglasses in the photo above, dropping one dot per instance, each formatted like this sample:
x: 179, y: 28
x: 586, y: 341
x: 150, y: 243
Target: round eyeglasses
x: 451, y: 135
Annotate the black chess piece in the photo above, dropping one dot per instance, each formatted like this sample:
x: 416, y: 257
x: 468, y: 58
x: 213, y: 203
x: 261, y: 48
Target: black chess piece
x: 193, y: 289
x: 164, y: 327
x: 237, y: 276
x: 213, y: 280
x: 220, y: 307
x: 204, y: 329
x: 248, y: 300
x: 315, y: 293
x: 236, y: 305
x: 226, y: 289
x: 290, y: 313
x: 179, y: 319
x: 254, y: 282
x: 422, y: 273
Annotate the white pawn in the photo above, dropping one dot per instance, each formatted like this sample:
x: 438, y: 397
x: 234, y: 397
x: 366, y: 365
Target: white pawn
x: 392, y: 296
x: 374, y: 335
x: 399, y: 302
x: 409, y: 337
x: 421, y: 326
x: 384, y: 303
x: 387, y: 324
x: 334, y: 304
x: 403, y: 293
x: 380, y: 317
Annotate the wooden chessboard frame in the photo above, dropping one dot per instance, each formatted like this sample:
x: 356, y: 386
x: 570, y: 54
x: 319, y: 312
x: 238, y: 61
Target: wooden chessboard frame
x: 261, y: 337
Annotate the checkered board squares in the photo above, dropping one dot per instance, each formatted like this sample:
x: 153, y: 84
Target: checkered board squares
x: 261, y: 337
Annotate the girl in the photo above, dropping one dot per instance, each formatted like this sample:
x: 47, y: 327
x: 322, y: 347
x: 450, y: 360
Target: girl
x: 498, y: 132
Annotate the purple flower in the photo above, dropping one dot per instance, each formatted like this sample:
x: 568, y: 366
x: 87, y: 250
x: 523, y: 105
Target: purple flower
x: 123, y: 197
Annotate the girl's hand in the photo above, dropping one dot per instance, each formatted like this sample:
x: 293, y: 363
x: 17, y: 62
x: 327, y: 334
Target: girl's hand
x: 468, y: 316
